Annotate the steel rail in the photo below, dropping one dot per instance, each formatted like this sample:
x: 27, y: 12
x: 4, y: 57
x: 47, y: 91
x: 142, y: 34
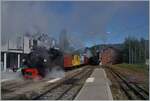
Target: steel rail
x: 122, y: 87
x: 135, y: 91
x: 84, y: 76
x: 58, y: 84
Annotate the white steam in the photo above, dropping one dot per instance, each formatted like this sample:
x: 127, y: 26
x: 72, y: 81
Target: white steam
x: 88, y: 19
x: 88, y: 53
x: 19, y: 18
x: 56, y: 72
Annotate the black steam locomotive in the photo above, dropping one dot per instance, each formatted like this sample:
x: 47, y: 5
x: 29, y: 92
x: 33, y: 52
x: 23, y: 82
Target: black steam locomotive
x: 40, y: 61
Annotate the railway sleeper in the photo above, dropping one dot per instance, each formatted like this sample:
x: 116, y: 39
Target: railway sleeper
x: 69, y: 91
x: 68, y: 82
x: 81, y: 79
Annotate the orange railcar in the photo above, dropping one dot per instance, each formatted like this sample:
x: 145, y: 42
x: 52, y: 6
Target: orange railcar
x: 85, y: 60
x: 68, y: 61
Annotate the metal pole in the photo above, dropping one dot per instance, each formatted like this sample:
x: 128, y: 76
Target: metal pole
x: 145, y: 51
x: 5, y: 61
x: 23, y: 43
x: 18, y: 60
x: 129, y: 53
x: 135, y: 56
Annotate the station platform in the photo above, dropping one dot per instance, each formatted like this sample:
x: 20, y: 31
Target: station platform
x: 96, y: 87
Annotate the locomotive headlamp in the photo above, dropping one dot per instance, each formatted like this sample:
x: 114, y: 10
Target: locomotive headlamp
x: 45, y: 60
x: 23, y: 60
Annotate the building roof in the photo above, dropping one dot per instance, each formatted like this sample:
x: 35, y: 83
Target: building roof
x: 110, y: 47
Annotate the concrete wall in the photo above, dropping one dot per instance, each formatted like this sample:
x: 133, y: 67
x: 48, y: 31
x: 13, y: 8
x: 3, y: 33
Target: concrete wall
x: 27, y: 45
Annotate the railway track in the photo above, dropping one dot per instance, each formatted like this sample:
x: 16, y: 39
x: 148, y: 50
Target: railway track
x: 132, y: 90
x: 29, y: 90
x: 67, y: 89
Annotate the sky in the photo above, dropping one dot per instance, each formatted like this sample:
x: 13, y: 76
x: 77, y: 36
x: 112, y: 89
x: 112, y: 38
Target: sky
x: 87, y: 22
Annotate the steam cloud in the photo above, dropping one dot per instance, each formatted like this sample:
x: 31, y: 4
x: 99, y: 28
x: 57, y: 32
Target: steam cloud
x: 19, y: 18
x: 30, y: 17
x: 56, y: 72
x: 88, y: 19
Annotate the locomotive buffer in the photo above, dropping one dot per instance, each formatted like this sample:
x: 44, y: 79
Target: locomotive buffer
x: 96, y: 87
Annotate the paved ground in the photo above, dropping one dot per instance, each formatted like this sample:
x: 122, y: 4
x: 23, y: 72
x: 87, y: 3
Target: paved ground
x: 96, y: 87
x: 6, y: 76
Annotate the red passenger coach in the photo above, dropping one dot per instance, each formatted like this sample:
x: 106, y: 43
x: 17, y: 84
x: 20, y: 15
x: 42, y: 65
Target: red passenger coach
x: 67, y: 61
x: 85, y: 60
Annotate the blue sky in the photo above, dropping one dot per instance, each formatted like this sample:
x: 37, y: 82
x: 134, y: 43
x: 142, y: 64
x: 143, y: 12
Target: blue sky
x: 90, y: 22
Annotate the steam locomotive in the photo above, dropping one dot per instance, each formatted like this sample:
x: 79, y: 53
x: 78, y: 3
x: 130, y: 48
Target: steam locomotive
x: 38, y: 62
x: 41, y: 60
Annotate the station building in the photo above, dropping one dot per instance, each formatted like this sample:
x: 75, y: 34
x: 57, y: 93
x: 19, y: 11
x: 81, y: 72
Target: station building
x: 13, y: 51
x: 110, y: 55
